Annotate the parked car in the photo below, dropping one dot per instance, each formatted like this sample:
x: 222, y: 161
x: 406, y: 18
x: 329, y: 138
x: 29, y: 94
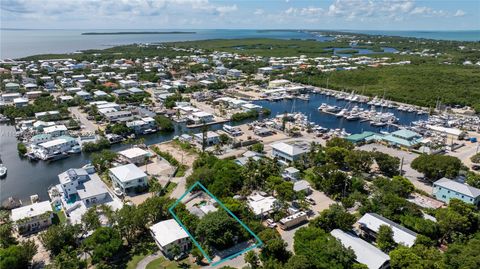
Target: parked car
x: 310, y: 201
x: 271, y: 223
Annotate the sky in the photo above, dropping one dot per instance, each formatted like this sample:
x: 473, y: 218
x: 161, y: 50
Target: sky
x: 241, y: 14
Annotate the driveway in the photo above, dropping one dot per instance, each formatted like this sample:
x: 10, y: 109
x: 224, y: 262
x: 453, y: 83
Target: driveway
x: 181, y: 184
x: 413, y: 175
x: 89, y: 126
x: 466, y: 152
x: 322, y: 202
x: 288, y: 235
x: 143, y: 263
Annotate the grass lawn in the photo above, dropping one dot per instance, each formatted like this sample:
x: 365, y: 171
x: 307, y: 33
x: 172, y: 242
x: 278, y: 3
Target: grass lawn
x: 132, y: 264
x: 162, y: 263
x: 171, y: 186
x: 181, y: 170
x: 59, y: 217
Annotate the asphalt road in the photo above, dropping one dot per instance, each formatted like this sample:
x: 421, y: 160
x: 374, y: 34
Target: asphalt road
x: 413, y: 175
x: 89, y: 126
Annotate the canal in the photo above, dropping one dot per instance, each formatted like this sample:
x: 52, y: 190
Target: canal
x: 25, y: 178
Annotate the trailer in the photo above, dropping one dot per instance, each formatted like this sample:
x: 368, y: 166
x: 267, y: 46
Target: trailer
x: 293, y: 220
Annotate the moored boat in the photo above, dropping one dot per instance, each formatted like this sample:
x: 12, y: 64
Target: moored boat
x: 3, y: 170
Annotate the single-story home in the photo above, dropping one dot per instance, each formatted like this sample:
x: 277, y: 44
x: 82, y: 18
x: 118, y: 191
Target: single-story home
x: 366, y: 253
x: 370, y: 224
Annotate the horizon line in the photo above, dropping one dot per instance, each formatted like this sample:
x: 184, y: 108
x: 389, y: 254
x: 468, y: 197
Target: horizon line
x: 273, y: 29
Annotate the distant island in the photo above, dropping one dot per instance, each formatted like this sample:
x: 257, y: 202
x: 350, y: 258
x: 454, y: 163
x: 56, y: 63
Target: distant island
x: 137, y: 33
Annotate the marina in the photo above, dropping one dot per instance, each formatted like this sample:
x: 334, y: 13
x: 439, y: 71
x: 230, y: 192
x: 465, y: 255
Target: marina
x: 20, y: 184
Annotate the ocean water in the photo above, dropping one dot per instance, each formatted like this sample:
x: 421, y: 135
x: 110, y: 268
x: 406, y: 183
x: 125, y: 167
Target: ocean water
x: 470, y: 35
x: 15, y: 43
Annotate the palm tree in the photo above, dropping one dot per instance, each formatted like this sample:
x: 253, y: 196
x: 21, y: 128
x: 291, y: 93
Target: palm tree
x: 175, y: 251
x: 145, y: 161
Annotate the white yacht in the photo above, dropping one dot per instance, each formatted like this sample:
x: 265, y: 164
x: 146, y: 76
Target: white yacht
x: 342, y: 112
x: 353, y: 116
x: 322, y: 107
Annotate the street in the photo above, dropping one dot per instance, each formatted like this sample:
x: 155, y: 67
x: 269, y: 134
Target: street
x: 413, y: 175
x: 89, y: 126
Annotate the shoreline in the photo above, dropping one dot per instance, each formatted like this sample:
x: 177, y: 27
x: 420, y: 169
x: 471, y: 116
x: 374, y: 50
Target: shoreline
x: 312, y: 33
x: 137, y: 33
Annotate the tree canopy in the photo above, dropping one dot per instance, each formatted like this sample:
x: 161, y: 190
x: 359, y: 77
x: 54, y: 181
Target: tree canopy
x: 437, y: 166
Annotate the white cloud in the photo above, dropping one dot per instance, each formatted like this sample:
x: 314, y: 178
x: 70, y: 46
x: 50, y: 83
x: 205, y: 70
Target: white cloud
x: 81, y: 8
x: 226, y: 9
x: 305, y: 11
x: 459, y: 13
x: 259, y: 11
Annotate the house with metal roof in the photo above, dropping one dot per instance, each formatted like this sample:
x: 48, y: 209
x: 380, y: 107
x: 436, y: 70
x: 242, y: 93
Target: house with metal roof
x: 403, y: 138
x: 243, y: 160
x: 127, y: 177
x: 12, y: 87
x: 289, y: 152
x: 366, y: 253
x: 370, y: 224
x: 168, y: 234
x: 360, y: 138
x: 446, y: 189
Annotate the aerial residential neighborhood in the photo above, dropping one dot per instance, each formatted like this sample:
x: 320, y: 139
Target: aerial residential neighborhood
x: 284, y: 147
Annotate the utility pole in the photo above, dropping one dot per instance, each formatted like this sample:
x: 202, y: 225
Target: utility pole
x: 401, y: 167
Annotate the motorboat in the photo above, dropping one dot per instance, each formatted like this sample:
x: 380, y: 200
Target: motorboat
x: 332, y: 109
x: 304, y: 97
x: 353, y: 116
x: 3, y: 118
x: 3, y: 170
x: 342, y: 112
x: 378, y: 123
x: 75, y: 149
x: 322, y: 107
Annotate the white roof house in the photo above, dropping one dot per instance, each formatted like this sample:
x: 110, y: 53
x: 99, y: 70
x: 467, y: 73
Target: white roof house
x: 301, y: 185
x: 128, y: 172
x: 366, y: 253
x: 30, y: 211
x: 401, y: 235
x: 262, y: 205
x: 133, y: 153
x: 94, y: 187
x: 46, y: 113
x: 289, y: 152
x: 55, y: 129
x: 53, y: 143
x: 167, y: 232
